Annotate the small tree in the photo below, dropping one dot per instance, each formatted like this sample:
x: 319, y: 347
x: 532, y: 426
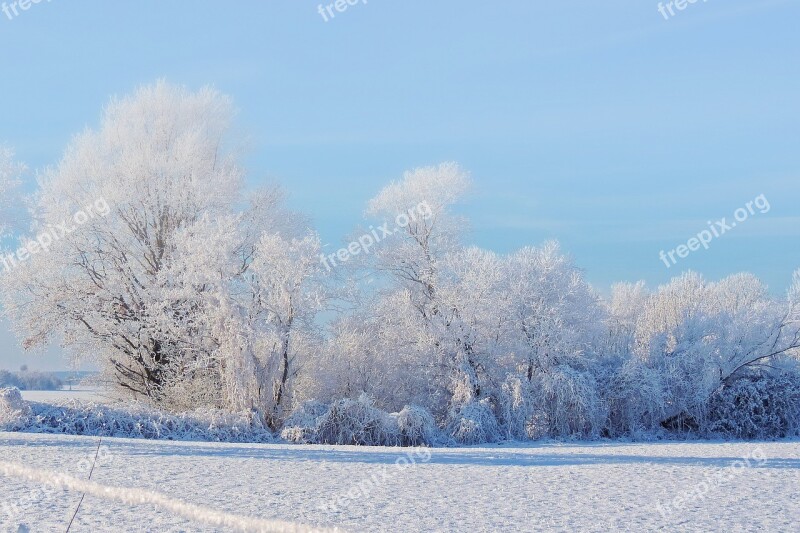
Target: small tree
x: 426, y: 315
x: 553, y: 324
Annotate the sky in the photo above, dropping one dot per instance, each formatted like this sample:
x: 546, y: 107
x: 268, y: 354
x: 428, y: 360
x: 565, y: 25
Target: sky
x: 620, y: 131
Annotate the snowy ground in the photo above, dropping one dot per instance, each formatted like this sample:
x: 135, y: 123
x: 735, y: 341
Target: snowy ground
x: 503, y: 488
x: 85, y: 394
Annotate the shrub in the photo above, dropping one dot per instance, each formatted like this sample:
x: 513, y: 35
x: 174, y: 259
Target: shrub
x: 14, y: 411
x: 515, y: 407
x: 132, y: 421
x: 636, y: 400
x: 474, y: 423
x: 565, y: 402
x: 357, y: 422
x: 757, y: 407
x: 561, y: 402
x: 301, y: 426
x: 11, y: 401
x: 417, y: 427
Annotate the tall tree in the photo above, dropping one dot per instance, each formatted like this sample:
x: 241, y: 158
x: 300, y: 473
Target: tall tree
x: 163, y: 166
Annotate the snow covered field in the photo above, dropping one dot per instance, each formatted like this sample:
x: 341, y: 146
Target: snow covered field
x: 587, y: 487
x: 85, y: 394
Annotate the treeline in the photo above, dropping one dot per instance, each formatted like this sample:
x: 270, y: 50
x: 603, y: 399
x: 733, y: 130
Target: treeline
x: 30, y: 380
x: 188, y: 300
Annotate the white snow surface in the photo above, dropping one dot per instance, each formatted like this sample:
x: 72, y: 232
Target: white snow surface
x: 85, y: 394
x: 532, y: 487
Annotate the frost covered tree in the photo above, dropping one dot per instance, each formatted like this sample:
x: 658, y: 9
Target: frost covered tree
x: 473, y: 303
x: 555, y: 315
x: 458, y: 320
x: 625, y: 305
x: 247, y: 287
x: 693, y: 338
x: 284, y: 293
x: 553, y: 324
x: 159, y: 162
x: 423, y: 337
x: 140, y: 285
x: 412, y: 257
x: 424, y: 315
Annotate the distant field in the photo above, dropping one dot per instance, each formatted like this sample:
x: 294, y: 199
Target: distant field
x: 93, y: 394
x: 599, y: 487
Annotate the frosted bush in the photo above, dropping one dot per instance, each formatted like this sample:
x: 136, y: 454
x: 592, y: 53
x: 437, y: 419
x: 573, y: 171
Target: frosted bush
x: 134, y: 421
x: 636, y: 401
x: 360, y: 422
x: 564, y: 403
x: 301, y: 425
x: 417, y: 427
x: 14, y: 411
x: 357, y: 422
x: 515, y: 408
x: 474, y: 423
x: 11, y: 401
x: 557, y: 402
x: 757, y: 407
x: 201, y: 389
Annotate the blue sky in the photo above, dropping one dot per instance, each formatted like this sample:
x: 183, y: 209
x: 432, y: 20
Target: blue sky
x: 600, y: 124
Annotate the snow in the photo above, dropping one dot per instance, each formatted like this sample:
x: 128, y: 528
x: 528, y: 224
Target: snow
x: 559, y: 487
x: 85, y: 394
x: 133, y: 496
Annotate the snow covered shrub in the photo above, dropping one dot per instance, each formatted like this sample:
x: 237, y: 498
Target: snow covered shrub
x: 357, y: 422
x: 688, y: 364
x: 635, y: 398
x: 196, y: 389
x: 417, y: 426
x: 474, y: 423
x: 699, y: 336
x: 562, y: 402
x: 757, y: 407
x: 14, y: 411
x: 515, y: 408
x: 301, y: 425
x: 11, y: 401
x: 565, y: 402
x: 139, y: 421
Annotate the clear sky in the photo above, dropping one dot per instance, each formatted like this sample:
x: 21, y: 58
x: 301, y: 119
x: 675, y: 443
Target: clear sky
x: 604, y: 125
